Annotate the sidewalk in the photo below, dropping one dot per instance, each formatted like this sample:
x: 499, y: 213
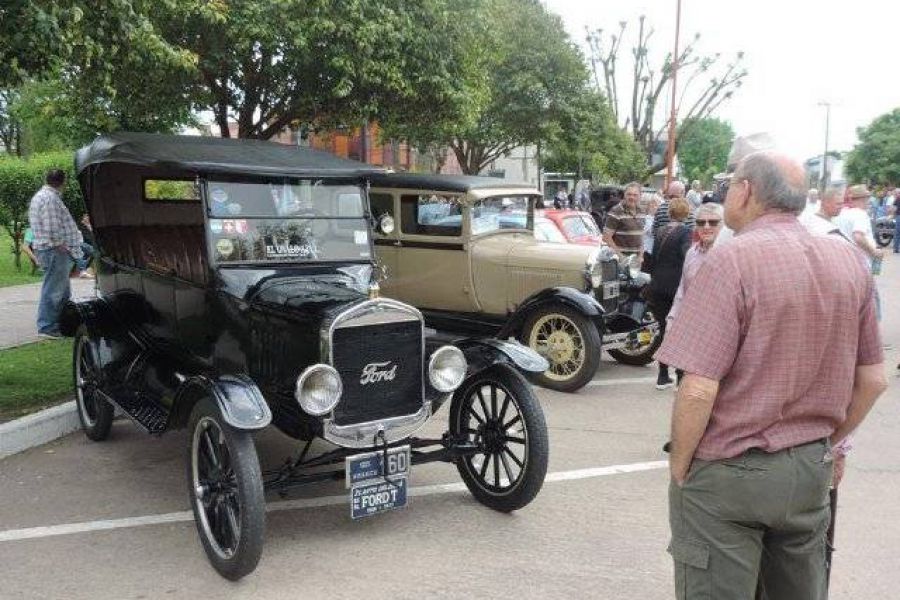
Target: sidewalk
x: 18, y: 310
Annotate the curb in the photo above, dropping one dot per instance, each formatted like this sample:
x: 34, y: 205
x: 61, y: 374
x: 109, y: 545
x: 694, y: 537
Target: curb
x: 38, y: 428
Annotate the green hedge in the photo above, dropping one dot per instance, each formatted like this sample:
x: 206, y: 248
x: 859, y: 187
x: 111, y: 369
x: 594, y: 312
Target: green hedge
x: 20, y: 178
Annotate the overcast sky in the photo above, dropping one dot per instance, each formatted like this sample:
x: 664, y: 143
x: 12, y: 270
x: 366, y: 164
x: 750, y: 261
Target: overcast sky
x: 797, y: 52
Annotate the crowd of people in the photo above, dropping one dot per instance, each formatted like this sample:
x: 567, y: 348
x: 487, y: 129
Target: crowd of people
x: 775, y: 341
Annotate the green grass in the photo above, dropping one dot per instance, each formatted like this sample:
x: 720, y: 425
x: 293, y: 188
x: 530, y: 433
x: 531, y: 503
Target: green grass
x: 35, y: 376
x: 8, y: 273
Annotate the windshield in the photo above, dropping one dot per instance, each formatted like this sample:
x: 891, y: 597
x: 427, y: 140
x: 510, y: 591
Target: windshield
x: 579, y: 226
x: 308, y: 220
x: 502, y: 212
x: 546, y: 230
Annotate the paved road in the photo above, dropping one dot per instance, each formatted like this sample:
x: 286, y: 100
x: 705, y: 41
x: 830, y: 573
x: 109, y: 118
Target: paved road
x: 591, y: 533
x: 18, y: 308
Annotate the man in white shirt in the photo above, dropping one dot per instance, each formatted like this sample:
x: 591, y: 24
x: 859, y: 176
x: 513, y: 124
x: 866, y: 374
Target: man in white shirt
x: 821, y: 221
x: 695, y: 195
x: 856, y: 225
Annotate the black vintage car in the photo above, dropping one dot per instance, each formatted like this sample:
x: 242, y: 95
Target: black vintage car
x: 236, y: 289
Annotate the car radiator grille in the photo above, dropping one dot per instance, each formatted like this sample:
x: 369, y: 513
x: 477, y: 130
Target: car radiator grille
x: 610, y: 271
x: 391, y: 355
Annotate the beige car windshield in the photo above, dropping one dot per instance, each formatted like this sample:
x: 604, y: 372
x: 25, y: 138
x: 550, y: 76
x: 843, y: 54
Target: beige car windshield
x: 501, y: 212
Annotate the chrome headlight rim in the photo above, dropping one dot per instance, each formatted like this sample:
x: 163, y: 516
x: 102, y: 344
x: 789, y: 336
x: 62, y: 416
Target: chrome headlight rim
x: 593, y: 271
x: 305, y: 376
x: 439, y: 355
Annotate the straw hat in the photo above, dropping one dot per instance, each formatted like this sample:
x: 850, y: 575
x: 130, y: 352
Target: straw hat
x: 858, y: 191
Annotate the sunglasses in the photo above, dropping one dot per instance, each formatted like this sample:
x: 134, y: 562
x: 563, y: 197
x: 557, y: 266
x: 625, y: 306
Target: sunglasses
x: 710, y: 222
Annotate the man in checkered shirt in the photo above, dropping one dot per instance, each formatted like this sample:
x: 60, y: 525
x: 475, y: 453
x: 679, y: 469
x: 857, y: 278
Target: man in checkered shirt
x: 782, y: 357
x: 57, y: 244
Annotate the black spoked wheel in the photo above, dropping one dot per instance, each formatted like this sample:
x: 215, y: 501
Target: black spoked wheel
x: 640, y: 351
x: 95, y: 413
x: 884, y: 237
x: 226, y: 492
x: 569, y: 341
x: 497, y: 410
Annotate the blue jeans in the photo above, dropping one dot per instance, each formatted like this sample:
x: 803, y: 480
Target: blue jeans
x: 55, y: 291
x: 87, y: 254
x: 896, y: 233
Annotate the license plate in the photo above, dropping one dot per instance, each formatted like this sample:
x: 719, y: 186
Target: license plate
x: 645, y: 337
x: 368, y: 499
x: 610, y: 289
x: 366, y: 466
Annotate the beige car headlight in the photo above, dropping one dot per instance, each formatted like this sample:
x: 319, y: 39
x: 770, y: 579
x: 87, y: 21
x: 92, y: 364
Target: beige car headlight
x: 447, y: 368
x: 319, y: 389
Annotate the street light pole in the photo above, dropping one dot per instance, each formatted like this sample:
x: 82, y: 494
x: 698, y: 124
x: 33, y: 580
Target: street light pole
x: 670, y: 147
x: 824, y: 182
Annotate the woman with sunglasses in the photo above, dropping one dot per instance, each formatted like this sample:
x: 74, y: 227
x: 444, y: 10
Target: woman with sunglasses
x: 669, y: 251
x: 707, y: 226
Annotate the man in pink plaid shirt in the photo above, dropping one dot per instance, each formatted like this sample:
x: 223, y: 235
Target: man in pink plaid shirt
x: 782, y: 357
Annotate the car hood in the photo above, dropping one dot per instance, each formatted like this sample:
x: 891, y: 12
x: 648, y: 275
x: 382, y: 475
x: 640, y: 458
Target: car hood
x: 310, y: 293
x: 548, y: 255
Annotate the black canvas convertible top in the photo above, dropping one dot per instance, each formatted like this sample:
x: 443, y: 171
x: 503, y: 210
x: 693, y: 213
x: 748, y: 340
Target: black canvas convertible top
x: 216, y: 155
x: 449, y: 183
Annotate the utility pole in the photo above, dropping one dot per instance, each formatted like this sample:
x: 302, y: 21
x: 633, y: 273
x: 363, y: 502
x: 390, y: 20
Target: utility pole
x: 824, y: 181
x: 670, y: 147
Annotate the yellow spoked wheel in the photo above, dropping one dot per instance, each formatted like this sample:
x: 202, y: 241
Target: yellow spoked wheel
x: 569, y: 341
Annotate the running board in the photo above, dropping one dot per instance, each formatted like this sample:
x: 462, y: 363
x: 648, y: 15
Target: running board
x: 148, y: 414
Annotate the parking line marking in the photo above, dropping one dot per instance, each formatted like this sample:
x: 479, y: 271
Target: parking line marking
x: 30, y: 533
x: 604, y: 382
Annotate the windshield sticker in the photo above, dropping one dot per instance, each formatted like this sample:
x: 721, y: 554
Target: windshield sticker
x: 215, y: 225
x: 238, y: 226
x: 361, y: 238
x: 290, y: 248
x: 225, y: 248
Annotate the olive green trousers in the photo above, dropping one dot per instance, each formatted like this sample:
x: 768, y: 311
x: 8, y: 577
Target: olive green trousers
x: 753, y: 526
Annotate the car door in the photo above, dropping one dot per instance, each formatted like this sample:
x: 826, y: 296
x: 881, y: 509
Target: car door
x: 433, y: 262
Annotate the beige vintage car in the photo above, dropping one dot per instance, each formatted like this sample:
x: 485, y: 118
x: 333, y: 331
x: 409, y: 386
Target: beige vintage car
x: 464, y: 250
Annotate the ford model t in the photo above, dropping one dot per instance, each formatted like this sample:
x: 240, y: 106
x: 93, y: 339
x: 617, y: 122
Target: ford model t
x: 236, y: 289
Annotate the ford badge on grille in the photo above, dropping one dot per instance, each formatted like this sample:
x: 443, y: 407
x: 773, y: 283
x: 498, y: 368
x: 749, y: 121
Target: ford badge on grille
x: 379, y: 371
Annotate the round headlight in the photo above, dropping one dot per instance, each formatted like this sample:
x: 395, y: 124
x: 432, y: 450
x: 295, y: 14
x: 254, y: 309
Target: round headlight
x: 447, y: 368
x: 386, y: 224
x: 318, y: 389
x: 594, y: 270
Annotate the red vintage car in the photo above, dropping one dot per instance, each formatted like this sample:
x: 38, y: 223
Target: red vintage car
x: 576, y: 226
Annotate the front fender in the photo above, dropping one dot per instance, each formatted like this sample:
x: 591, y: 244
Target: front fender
x: 95, y: 314
x: 241, y: 403
x: 483, y: 353
x: 584, y: 303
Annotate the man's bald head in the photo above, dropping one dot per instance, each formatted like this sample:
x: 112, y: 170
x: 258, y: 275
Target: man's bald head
x: 779, y: 183
x: 675, y: 190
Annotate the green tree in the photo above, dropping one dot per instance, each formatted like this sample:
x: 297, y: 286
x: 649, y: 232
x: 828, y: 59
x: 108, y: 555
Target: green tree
x: 70, y: 68
x: 269, y: 65
x: 521, y: 72
x: 703, y: 148
x: 592, y: 145
x: 876, y: 158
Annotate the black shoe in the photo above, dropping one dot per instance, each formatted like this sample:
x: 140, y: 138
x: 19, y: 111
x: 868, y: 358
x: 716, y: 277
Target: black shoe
x: 664, y: 382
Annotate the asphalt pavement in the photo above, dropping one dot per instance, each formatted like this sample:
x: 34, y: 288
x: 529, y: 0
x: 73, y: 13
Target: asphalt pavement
x: 80, y: 519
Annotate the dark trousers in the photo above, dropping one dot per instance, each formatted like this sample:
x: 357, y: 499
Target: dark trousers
x: 755, y: 522
x: 661, y: 308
